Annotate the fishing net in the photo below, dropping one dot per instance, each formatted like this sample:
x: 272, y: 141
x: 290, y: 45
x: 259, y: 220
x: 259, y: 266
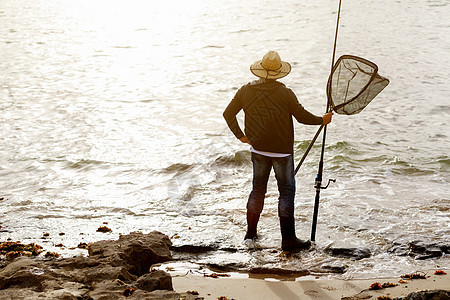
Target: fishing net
x: 353, y: 83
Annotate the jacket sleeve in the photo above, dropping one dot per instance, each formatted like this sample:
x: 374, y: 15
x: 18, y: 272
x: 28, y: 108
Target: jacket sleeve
x: 230, y: 113
x: 301, y: 114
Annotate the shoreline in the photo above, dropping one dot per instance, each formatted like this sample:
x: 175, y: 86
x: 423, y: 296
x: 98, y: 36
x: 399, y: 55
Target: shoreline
x: 270, y: 289
x: 142, y: 266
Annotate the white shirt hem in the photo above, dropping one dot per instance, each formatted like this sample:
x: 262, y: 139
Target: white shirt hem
x: 269, y: 154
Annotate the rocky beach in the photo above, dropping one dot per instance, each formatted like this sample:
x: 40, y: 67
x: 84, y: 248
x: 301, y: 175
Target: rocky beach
x: 136, y: 266
x: 112, y: 270
x: 119, y: 177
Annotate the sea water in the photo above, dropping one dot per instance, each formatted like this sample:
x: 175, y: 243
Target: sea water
x: 111, y: 115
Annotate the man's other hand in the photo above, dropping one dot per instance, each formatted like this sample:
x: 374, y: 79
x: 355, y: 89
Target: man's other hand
x: 327, y: 118
x: 245, y: 139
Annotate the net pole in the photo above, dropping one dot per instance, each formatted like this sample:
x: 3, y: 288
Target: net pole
x: 308, y: 149
x: 318, y: 182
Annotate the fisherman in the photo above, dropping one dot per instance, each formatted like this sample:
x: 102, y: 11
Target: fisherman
x: 269, y: 107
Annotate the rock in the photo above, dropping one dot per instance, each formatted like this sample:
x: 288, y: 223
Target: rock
x: 420, y: 250
x: 104, y: 229
x: 111, y: 268
x: 112, y: 290
x: 228, y: 266
x: 103, y: 272
x: 162, y: 295
x: 353, y: 253
x: 68, y: 290
x: 195, y: 249
x: 155, y: 280
x: 278, y: 271
x: 428, y: 295
x: 336, y: 268
x: 429, y: 253
x: 108, y: 289
x: 135, y: 249
x: 23, y: 272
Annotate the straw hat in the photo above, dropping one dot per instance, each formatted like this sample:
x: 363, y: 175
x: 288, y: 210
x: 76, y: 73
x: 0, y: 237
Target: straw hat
x: 271, y: 66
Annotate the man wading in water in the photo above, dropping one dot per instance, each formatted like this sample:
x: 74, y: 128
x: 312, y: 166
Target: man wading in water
x: 269, y: 107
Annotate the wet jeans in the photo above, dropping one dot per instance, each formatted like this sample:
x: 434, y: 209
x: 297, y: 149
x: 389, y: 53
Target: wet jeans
x: 284, y: 174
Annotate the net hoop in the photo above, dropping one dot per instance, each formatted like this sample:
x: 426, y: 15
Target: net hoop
x: 337, y: 108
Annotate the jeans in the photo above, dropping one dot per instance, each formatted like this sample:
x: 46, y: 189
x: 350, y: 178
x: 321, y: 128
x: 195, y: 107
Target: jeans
x: 284, y: 174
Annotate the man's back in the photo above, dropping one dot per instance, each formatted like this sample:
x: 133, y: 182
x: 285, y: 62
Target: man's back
x: 268, y: 106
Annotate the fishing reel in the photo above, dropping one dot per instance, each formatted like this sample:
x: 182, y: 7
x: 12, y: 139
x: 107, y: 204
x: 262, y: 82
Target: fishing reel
x: 318, y: 184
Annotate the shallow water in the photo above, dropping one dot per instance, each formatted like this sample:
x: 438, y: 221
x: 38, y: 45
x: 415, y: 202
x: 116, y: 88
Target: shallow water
x: 111, y: 112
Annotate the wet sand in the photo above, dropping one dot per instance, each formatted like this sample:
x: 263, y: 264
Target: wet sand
x: 261, y: 289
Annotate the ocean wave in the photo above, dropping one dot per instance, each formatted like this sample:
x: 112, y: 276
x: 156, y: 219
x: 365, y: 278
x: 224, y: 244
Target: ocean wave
x: 213, y: 46
x: 442, y: 205
x: 403, y: 167
x: 439, y: 109
x: 80, y: 164
x: 345, y: 155
x: 344, y: 146
x: 121, y: 210
x: 444, y: 161
x: 49, y: 216
x: 87, y: 216
x: 341, y: 147
x: 381, y: 163
x: 83, y: 163
x: 302, y: 145
x: 22, y: 203
x: 238, y: 159
x: 178, y: 168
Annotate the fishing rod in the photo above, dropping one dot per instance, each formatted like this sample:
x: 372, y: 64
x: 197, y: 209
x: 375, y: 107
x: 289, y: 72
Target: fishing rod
x: 318, y: 182
x: 353, y: 83
x: 329, y: 106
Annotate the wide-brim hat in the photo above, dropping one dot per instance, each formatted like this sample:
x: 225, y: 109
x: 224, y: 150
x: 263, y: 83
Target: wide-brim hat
x: 270, y: 66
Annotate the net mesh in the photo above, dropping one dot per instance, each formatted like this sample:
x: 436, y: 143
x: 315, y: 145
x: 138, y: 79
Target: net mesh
x: 353, y: 83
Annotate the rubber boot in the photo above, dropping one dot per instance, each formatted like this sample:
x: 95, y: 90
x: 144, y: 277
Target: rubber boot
x: 252, y: 222
x: 289, y: 242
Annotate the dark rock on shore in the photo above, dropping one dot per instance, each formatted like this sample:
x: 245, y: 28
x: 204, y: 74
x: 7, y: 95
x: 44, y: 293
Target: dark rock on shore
x: 203, y: 248
x: 421, y: 295
x: 420, y: 250
x: 155, y: 280
x: 427, y: 295
x: 325, y: 268
x: 136, y: 250
x: 228, y: 267
x: 194, y: 249
x: 352, y: 253
x: 111, y: 268
x: 279, y: 271
x: 263, y: 263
